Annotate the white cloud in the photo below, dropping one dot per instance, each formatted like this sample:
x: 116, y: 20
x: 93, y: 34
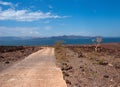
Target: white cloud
x: 9, y: 4
x: 19, y: 31
x: 25, y: 15
x: 48, y: 28
x: 5, y: 3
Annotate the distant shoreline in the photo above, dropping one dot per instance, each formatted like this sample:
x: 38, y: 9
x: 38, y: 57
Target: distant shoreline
x: 111, y: 43
x: 50, y: 41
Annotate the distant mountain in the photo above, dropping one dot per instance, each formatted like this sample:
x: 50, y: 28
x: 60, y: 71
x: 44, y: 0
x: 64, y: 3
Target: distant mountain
x: 65, y: 37
x: 71, y: 37
x: 35, y: 41
x: 52, y: 37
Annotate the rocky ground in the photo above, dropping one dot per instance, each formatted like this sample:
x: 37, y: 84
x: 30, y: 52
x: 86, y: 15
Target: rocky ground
x: 83, y: 67
x: 12, y: 54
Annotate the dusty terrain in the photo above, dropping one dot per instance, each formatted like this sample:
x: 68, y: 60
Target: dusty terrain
x: 12, y: 54
x: 83, y: 67
x: 37, y: 70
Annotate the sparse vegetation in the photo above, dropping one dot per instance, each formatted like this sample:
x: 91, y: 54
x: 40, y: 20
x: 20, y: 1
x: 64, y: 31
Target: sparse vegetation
x: 60, y: 53
x: 58, y: 44
x: 97, y: 42
x: 83, y: 71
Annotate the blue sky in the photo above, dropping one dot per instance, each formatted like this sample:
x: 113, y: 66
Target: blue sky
x: 59, y: 17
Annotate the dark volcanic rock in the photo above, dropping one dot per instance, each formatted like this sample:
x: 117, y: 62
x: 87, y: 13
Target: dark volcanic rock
x: 68, y: 82
x: 106, y: 76
x: 90, y: 68
x: 1, y: 57
x: 7, y: 62
x: 103, y: 63
x: 117, y: 65
x: 67, y: 67
x: 11, y: 54
x: 80, y: 55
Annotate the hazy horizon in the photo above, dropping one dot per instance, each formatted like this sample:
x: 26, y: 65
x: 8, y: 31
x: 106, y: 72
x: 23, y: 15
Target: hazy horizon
x: 43, y: 18
x: 61, y: 35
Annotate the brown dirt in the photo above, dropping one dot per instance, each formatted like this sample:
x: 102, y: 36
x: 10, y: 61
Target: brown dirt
x: 83, y: 67
x: 11, y: 54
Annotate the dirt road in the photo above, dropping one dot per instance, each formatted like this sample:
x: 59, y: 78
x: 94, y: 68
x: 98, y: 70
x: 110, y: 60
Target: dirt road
x: 37, y: 70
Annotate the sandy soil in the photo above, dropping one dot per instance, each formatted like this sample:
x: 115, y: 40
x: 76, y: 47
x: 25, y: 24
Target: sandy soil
x: 12, y: 54
x: 83, y: 67
x: 37, y: 70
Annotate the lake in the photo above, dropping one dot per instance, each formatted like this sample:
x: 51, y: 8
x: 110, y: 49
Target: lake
x: 52, y: 41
